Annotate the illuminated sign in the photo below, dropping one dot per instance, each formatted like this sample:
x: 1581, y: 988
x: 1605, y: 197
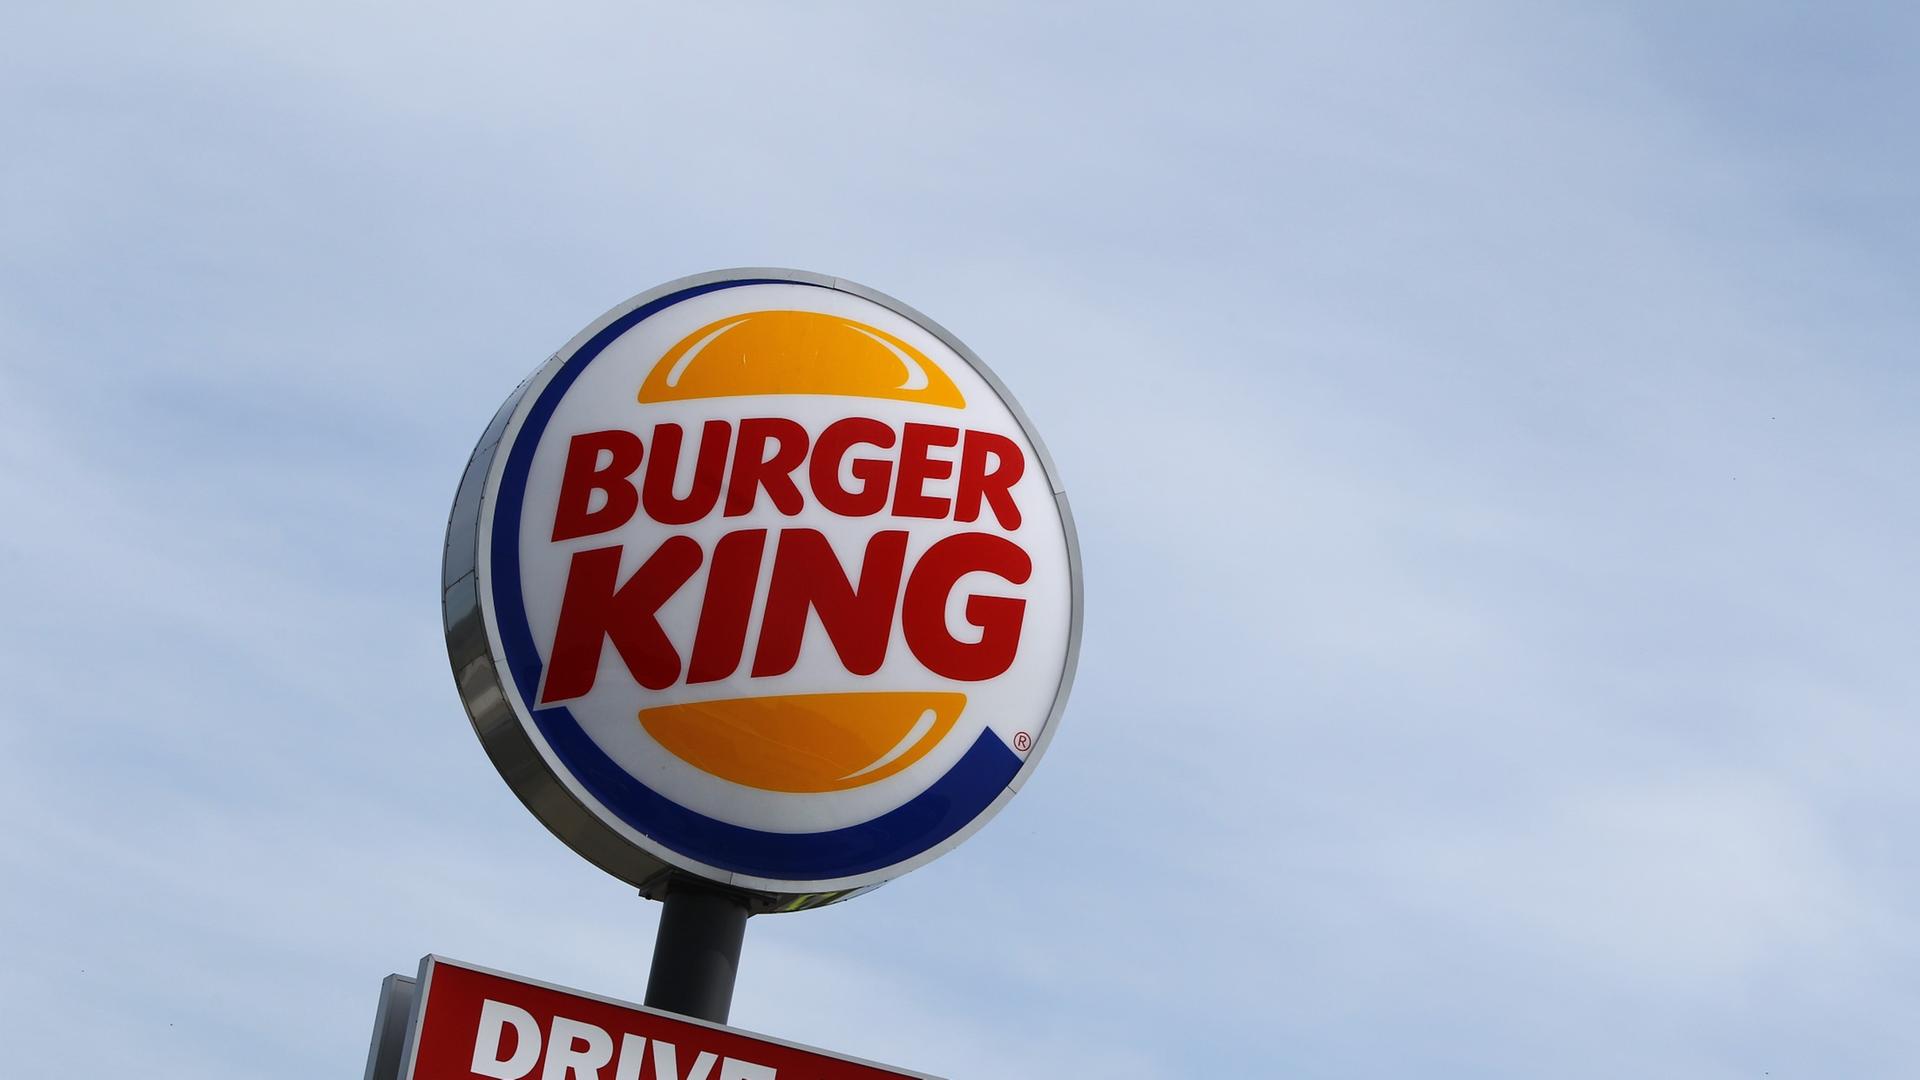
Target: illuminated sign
x: 763, y: 578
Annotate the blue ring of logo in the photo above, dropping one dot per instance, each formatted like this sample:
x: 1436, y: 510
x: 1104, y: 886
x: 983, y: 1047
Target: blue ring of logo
x: 925, y: 821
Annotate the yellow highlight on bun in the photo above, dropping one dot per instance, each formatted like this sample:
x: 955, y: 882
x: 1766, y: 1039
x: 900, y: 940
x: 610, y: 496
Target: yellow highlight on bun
x: 796, y: 352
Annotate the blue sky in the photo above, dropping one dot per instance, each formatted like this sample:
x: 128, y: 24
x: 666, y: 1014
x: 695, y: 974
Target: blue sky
x: 1489, y: 426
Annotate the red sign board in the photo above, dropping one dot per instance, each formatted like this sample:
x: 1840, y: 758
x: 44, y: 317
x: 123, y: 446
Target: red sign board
x: 472, y: 1023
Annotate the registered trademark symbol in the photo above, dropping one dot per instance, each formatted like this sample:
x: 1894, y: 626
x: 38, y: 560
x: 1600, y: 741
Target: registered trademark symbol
x: 1022, y: 741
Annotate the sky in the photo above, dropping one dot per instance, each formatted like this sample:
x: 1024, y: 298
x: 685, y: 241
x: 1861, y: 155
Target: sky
x: 1489, y: 427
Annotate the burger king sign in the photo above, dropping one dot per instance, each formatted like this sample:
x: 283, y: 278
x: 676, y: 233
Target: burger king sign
x: 765, y: 580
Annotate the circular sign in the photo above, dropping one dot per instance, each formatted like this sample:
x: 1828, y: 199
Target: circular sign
x: 763, y: 579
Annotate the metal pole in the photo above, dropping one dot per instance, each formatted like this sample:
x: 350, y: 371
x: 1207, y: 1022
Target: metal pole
x: 697, y: 952
x: 390, y: 1024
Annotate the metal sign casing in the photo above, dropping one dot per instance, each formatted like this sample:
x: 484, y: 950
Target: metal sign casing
x: 763, y: 579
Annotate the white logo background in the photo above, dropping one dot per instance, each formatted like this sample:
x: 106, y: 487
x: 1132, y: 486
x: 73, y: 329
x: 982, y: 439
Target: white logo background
x: 605, y: 396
